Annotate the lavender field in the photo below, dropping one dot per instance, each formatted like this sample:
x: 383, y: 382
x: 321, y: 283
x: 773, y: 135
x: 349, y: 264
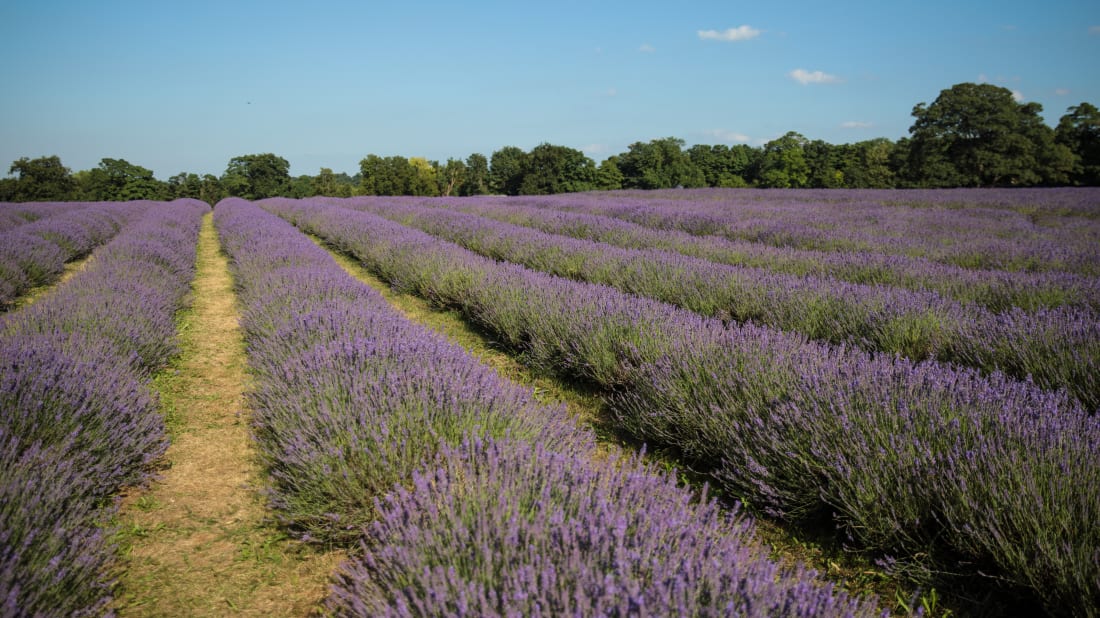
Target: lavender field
x: 916, y: 372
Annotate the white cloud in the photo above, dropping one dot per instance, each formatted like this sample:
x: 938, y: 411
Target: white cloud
x: 1094, y: 29
x: 804, y: 77
x: 1018, y: 96
x: 1061, y: 91
x: 595, y: 149
x: 647, y: 48
x: 729, y: 136
x: 740, y: 33
x: 610, y: 92
x: 855, y: 124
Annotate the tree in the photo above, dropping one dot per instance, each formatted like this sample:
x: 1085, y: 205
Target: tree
x: 385, y: 175
x: 452, y: 177
x: 659, y: 164
x: 477, y: 175
x: 423, y: 177
x: 608, y: 176
x: 1079, y: 130
x: 120, y: 180
x: 978, y: 135
x: 43, y: 179
x: 557, y: 169
x: 825, y: 162
x: 867, y: 164
x: 783, y: 163
x: 257, y: 176
x: 507, y: 168
x: 722, y: 166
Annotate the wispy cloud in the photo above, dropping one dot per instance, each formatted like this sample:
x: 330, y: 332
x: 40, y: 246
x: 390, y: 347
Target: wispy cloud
x: 647, y: 48
x: 1061, y: 91
x: 855, y: 124
x: 729, y: 136
x: 1018, y: 96
x: 740, y: 33
x: 1094, y: 29
x: 805, y: 77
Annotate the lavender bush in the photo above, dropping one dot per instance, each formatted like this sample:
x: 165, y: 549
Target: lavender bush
x: 1059, y: 348
x: 801, y: 430
x: 78, y: 420
x: 35, y: 253
x: 996, y: 290
x: 1037, y: 230
x: 511, y: 529
x: 350, y: 398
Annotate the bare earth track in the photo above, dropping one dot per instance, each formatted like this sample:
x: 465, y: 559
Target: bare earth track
x: 197, y: 541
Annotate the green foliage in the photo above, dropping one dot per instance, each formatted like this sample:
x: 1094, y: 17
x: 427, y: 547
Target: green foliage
x: 978, y: 135
x: 659, y: 164
x: 783, y: 164
x: 506, y: 170
x: 476, y: 181
x: 1079, y: 131
x: 43, y: 179
x: 120, y: 180
x: 257, y: 176
x: 557, y: 169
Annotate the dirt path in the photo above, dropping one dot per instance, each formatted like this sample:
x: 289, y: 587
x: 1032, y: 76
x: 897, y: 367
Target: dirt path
x: 197, y: 541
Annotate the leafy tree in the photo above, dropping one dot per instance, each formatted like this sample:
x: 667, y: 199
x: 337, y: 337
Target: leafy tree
x: 423, y: 178
x: 476, y: 181
x: 608, y: 176
x: 783, y: 163
x: 825, y: 162
x: 385, y: 175
x: 43, y: 179
x: 507, y: 168
x: 302, y: 186
x: 1079, y: 130
x: 257, y: 176
x: 867, y: 164
x: 120, y: 180
x: 659, y: 164
x: 722, y: 166
x: 557, y: 169
x: 978, y: 135
x: 452, y: 177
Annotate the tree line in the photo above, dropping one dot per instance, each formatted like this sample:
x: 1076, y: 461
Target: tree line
x: 972, y: 135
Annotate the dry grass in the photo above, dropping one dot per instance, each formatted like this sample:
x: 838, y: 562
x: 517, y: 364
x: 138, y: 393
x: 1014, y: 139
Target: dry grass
x: 197, y: 542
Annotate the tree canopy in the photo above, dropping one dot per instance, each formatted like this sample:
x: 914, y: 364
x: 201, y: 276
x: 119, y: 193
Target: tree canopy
x: 978, y: 135
x: 971, y: 135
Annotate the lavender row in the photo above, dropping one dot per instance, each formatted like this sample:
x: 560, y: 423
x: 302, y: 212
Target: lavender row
x: 952, y: 227
x: 977, y: 474
x: 997, y: 290
x: 1058, y: 348
x: 15, y: 214
x: 351, y: 400
x: 515, y: 529
x: 35, y: 253
x: 79, y: 421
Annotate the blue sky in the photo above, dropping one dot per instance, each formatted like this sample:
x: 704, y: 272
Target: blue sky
x: 186, y: 86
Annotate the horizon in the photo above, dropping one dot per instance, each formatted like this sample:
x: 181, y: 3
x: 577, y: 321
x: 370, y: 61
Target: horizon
x: 329, y: 84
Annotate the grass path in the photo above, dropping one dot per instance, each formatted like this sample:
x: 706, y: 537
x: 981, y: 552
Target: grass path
x: 196, y: 542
